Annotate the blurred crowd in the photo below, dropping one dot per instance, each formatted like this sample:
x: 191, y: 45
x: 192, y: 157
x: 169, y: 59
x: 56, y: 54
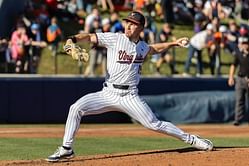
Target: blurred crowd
x: 38, y: 27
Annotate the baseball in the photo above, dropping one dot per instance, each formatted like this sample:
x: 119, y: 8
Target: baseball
x: 185, y: 43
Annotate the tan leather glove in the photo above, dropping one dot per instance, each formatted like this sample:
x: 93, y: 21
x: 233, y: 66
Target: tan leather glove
x: 76, y: 51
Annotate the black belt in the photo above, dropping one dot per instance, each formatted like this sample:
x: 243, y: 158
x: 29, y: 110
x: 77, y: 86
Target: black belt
x: 241, y: 75
x: 124, y: 87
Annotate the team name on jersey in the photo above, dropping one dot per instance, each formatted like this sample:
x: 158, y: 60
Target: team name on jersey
x: 123, y: 57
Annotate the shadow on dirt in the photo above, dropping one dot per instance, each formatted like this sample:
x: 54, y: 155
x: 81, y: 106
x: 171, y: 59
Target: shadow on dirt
x: 218, y: 148
x: 181, y: 150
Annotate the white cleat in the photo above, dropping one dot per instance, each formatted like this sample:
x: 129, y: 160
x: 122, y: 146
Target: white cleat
x: 59, y: 154
x: 201, y: 144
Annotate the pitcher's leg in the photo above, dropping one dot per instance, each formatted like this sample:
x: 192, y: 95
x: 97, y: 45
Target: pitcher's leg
x: 72, y: 125
x: 139, y: 110
x: 94, y: 103
x: 87, y: 105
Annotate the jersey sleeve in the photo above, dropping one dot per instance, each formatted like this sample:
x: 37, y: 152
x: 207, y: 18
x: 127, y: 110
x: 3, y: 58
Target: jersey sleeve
x: 107, y: 39
x: 236, y: 53
x: 235, y: 60
x: 143, y: 48
x: 146, y: 48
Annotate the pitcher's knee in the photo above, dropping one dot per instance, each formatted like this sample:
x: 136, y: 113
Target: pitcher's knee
x: 154, y: 125
x: 75, y: 110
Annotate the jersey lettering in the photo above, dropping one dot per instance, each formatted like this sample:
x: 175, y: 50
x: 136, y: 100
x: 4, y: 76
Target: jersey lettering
x: 123, y: 57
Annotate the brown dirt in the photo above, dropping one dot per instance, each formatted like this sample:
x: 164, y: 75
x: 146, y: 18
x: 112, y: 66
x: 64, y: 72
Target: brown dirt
x: 229, y: 156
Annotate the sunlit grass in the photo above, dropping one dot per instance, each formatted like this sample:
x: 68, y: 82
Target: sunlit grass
x: 40, y: 148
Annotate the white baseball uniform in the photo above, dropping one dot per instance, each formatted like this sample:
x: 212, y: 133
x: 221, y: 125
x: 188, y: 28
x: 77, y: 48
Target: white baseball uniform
x: 120, y: 93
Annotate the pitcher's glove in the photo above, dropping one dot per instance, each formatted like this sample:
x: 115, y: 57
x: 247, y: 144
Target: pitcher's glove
x: 76, y: 51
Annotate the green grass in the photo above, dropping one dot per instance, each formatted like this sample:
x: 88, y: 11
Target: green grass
x: 65, y: 64
x: 40, y: 148
x: 68, y: 66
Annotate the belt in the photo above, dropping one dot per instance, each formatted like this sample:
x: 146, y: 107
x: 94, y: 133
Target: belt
x: 124, y: 87
x: 241, y: 75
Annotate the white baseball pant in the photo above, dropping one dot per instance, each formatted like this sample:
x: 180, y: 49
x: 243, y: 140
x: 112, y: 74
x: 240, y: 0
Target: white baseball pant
x: 109, y: 99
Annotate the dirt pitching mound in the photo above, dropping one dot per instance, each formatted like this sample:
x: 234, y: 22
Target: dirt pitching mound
x: 176, y: 157
x: 226, y: 156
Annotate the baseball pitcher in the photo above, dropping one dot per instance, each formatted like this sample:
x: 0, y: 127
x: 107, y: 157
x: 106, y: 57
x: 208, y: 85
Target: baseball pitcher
x: 125, y: 56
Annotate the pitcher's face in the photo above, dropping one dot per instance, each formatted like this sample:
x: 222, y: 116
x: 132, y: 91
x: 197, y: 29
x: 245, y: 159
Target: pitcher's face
x: 132, y: 30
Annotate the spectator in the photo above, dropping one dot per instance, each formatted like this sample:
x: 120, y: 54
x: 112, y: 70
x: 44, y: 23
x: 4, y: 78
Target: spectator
x: 197, y: 6
x: 243, y: 31
x: 164, y: 36
x: 5, y: 58
x: 232, y: 36
x: 72, y: 8
x: 227, y: 7
x: 89, y: 5
x: 150, y: 30
x: 91, y: 18
x: 150, y: 7
x: 36, y: 46
x: 212, y: 9
x: 241, y: 60
x: 75, y: 9
x: 197, y: 44
x: 116, y: 25
x: 215, y: 43
x: 96, y: 53
x: 167, y: 8
x: 43, y: 19
x: 158, y: 10
x: 107, y: 4
x: 138, y: 4
x: 54, y: 36
x: 200, y: 20
x: 151, y: 24
x: 19, y: 42
x: 80, y: 8
x: 245, y: 10
x: 238, y: 8
x: 216, y: 24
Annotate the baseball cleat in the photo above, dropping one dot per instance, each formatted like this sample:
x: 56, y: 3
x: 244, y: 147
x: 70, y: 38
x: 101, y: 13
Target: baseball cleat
x: 201, y: 144
x: 60, y: 153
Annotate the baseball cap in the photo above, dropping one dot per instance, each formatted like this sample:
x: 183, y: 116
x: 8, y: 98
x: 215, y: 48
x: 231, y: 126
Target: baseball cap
x: 243, y: 39
x: 105, y: 21
x: 136, y: 17
x: 223, y: 28
x: 35, y: 26
x: 243, y: 31
x: 209, y: 26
